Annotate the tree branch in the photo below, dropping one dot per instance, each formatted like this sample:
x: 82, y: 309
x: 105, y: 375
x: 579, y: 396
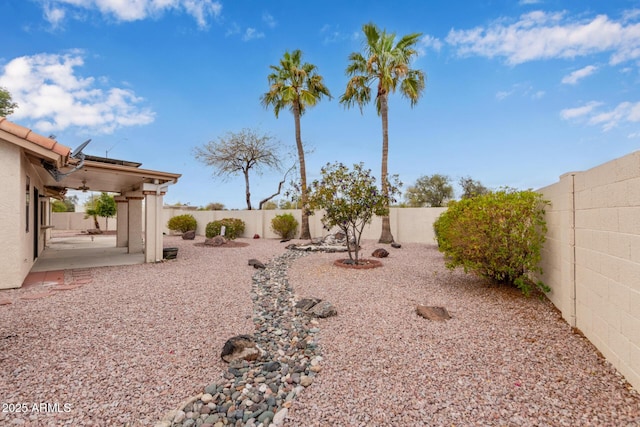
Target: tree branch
x: 284, y: 179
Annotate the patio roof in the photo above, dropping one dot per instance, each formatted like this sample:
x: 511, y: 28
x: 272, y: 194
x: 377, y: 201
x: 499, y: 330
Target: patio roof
x: 93, y: 173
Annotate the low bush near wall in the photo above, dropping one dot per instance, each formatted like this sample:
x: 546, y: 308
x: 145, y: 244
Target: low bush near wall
x: 182, y: 223
x: 498, y: 236
x: 234, y: 228
x: 285, y: 226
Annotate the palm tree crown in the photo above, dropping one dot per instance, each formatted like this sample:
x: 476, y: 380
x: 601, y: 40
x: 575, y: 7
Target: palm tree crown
x: 294, y: 85
x: 386, y: 64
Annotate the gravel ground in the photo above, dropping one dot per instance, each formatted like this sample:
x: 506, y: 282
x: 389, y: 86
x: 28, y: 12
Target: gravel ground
x: 138, y: 340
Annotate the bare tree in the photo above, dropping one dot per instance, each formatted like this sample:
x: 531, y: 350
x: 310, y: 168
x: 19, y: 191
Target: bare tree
x: 240, y: 152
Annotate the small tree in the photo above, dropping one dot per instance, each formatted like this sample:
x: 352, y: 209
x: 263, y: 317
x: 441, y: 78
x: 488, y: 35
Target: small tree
x: 240, y: 152
x: 350, y: 199
x: 431, y: 191
x: 104, y: 206
x: 68, y: 204
x: 471, y: 188
x: 7, y: 106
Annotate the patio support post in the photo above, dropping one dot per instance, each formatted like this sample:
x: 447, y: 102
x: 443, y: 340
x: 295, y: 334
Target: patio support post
x: 153, y: 222
x: 122, y: 222
x: 135, y: 224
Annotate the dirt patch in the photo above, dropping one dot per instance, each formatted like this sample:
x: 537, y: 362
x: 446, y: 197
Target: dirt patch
x: 362, y: 264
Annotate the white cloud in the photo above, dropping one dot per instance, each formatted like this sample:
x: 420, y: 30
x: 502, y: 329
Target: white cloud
x: 52, y: 96
x: 525, y: 2
x: 574, y: 113
x: 430, y: 42
x: 252, y: 33
x: 625, y: 112
x: 525, y: 90
x: 503, y: 95
x: 333, y: 34
x: 577, y: 75
x: 538, y: 95
x: 56, y: 10
x: 540, y: 35
x: 268, y: 19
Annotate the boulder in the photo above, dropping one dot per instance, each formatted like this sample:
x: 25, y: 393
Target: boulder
x: 256, y: 264
x: 340, y: 235
x: 433, y: 313
x: 396, y: 245
x: 323, y: 309
x: 216, y: 241
x: 316, y: 307
x: 240, y: 347
x: 189, y: 235
x: 256, y: 236
x: 380, y: 253
x: 305, y: 304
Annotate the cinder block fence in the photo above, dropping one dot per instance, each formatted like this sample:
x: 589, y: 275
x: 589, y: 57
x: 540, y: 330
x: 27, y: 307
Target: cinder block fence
x: 591, y: 259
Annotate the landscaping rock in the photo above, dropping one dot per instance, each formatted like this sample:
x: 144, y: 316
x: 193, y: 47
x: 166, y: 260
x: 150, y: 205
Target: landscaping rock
x: 433, y: 313
x: 240, y: 347
x: 396, y: 245
x: 216, y: 241
x: 256, y: 236
x: 380, y: 253
x: 323, y: 309
x: 256, y: 264
x: 305, y: 304
x: 189, y: 235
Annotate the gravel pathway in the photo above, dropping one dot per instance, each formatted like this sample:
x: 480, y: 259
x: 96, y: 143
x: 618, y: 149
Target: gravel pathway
x: 138, y: 340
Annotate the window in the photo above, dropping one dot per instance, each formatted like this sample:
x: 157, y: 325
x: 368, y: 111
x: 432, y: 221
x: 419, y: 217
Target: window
x: 27, y: 194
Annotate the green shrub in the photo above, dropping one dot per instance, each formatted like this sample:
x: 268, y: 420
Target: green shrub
x: 234, y: 227
x: 285, y: 226
x: 498, y: 235
x: 182, y: 223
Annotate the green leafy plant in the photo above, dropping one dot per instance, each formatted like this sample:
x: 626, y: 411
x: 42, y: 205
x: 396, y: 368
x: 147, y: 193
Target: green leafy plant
x: 104, y: 206
x: 284, y: 225
x: 350, y: 199
x: 498, y: 236
x: 182, y: 223
x: 234, y: 228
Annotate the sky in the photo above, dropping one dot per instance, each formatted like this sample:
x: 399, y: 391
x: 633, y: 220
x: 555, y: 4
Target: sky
x: 517, y: 92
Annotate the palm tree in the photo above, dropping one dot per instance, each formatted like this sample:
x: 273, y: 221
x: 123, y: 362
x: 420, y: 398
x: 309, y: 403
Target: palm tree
x: 295, y: 86
x: 386, y: 63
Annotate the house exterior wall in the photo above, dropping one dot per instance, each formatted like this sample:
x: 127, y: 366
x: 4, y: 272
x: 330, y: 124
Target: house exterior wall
x: 592, y: 257
x: 12, y: 226
x: 15, y: 171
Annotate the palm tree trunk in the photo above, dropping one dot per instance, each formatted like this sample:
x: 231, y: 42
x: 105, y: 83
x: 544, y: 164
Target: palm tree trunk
x: 247, y: 192
x: 385, y: 236
x: 304, y: 227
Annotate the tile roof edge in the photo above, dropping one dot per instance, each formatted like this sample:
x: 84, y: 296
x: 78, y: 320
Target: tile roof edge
x: 35, y: 138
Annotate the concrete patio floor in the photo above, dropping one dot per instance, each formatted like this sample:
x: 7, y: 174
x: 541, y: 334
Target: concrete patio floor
x: 71, y: 251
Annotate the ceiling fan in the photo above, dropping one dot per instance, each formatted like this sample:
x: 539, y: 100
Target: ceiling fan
x: 84, y: 187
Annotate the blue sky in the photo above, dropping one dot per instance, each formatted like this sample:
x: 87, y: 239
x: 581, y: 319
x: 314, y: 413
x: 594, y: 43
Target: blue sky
x: 518, y: 92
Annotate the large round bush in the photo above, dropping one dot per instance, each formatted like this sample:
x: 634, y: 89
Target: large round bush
x: 182, y: 223
x: 285, y: 226
x: 497, y: 235
x: 234, y: 227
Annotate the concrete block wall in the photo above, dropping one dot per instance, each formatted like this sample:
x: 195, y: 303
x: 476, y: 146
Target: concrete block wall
x: 408, y: 225
x: 592, y: 257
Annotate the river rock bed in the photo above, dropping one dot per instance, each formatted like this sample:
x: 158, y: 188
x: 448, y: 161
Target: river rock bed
x: 260, y: 393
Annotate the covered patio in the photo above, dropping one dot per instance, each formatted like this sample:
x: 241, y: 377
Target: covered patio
x: 34, y: 169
